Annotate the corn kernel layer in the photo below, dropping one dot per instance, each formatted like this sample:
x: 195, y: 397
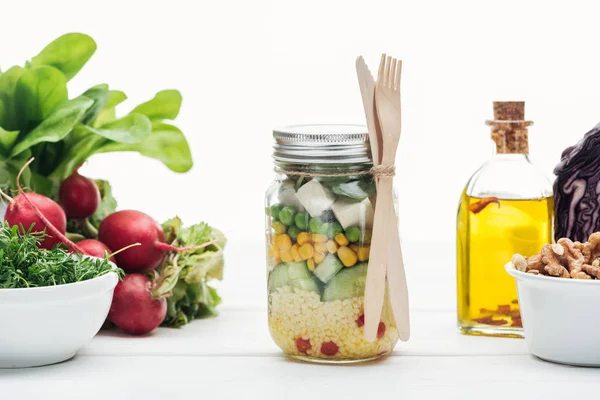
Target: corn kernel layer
x: 297, y: 314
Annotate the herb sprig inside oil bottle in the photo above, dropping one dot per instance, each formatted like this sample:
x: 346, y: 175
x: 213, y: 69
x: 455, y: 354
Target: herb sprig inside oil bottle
x: 505, y: 208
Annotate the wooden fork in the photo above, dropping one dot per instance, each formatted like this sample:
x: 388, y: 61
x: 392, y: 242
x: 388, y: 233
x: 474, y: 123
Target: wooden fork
x: 386, y: 239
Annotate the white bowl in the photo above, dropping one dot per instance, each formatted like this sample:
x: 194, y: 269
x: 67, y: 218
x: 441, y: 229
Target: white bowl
x: 559, y: 317
x: 46, y: 325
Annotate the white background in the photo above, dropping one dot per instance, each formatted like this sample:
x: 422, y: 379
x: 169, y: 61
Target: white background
x: 245, y: 67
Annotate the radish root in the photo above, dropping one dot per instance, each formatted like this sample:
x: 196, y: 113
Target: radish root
x: 7, y: 197
x: 124, y: 248
x: 41, y: 216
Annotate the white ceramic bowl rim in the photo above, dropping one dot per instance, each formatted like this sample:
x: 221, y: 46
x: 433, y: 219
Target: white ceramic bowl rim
x: 511, y: 270
x: 88, y: 287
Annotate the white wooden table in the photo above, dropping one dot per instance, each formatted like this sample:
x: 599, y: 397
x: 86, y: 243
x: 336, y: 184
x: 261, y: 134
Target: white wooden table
x: 233, y: 356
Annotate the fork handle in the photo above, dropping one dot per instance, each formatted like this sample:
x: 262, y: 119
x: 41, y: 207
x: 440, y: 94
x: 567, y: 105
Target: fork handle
x: 375, y: 285
x: 396, y: 278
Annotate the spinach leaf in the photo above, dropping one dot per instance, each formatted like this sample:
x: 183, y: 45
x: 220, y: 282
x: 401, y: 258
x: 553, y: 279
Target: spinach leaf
x: 40, y: 184
x: 7, y: 139
x: 99, y: 94
x: 1, y: 111
x: 68, y: 53
x: 355, y: 190
x: 166, y: 143
x: 330, y: 181
x: 8, y: 81
x: 165, y: 105
x: 56, y: 126
x: 108, y: 113
x: 37, y: 93
x: 81, y: 151
x: 131, y: 129
x: 10, y: 168
x: 47, y: 156
x: 115, y: 97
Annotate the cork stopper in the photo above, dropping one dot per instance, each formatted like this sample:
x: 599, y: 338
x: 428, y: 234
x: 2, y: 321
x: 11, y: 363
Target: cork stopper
x: 509, y: 110
x: 509, y: 128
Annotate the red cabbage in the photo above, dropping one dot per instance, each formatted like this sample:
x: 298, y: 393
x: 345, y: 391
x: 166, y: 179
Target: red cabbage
x: 577, y: 189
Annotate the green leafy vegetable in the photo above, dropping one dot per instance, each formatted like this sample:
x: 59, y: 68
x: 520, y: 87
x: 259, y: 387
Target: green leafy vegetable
x: 100, y: 95
x: 166, y: 143
x: 165, y: 105
x: 8, y: 83
x: 355, y: 190
x: 38, y: 92
x: 23, y: 264
x: 68, y: 53
x: 132, y: 129
x: 7, y: 139
x: 37, y: 119
x: 58, y: 125
x: 108, y: 113
x: 186, y: 275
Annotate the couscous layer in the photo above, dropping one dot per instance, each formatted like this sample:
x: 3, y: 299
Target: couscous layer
x: 303, y: 325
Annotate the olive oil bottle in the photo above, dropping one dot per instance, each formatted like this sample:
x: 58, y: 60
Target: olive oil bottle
x: 505, y: 208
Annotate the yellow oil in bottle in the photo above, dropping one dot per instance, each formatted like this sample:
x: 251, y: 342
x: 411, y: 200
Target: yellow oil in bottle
x: 489, y: 232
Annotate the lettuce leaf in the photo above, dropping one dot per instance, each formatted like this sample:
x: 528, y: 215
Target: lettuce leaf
x: 184, y: 277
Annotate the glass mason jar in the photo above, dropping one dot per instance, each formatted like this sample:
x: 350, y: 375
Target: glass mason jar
x: 505, y: 208
x: 318, y: 235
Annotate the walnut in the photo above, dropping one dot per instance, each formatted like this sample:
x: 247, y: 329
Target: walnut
x: 579, y: 274
x: 535, y: 263
x: 591, y: 270
x: 519, y: 262
x: 564, y: 259
x: 573, y: 259
x: 591, y: 250
x: 552, y: 257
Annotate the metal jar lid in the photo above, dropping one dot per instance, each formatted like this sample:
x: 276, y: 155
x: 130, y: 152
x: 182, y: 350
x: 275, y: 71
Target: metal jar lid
x: 322, y: 144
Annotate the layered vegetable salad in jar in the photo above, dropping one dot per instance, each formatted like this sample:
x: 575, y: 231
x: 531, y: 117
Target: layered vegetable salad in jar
x: 319, y: 215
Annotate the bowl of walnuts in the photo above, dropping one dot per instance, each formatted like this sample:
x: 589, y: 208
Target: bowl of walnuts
x: 558, y: 289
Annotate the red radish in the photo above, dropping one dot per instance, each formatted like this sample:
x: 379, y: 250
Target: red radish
x: 79, y: 196
x: 20, y: 211
x: 96, y: 248
x: 133, y: 308
x: 33, y: 208
x: 123, y: 228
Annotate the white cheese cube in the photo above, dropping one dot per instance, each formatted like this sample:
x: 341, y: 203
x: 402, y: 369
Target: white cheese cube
x: 287, y: 196
x: 315, y: 197
x: 353, y: 213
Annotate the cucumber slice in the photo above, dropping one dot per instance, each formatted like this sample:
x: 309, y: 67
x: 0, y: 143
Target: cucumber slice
x: 330, y: 266
x: 348, y: 284
x: 277, y: 277
x: 298, y: 270
x: 296, y: 275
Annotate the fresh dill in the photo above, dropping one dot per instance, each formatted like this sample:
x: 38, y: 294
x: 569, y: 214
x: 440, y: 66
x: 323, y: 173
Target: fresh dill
x: 23, y: 264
